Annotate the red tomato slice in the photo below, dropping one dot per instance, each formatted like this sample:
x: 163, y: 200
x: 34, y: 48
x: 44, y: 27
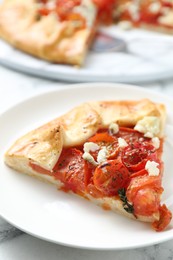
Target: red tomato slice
x: 65, y: 7
x: 102, y: 4
x: 72, y: 170
x: 144, y: 193
x: 146, y: 202
x: 165, y: 218
x: 93, y: 191
x: 39, y: 169
x: 104, y: 139
x: 74, y: 17
x: 129, y: 134
x: 43, y: 1
x: 142, y: 182
x: 105, y: 8
x: 44, y: 11
x: 135, y: 155
x: 139, y: 173
x: 111, y: 176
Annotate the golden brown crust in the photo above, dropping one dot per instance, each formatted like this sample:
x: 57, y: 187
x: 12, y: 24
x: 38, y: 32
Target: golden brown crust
x: 46, y: 38
x: 43, y: 145
x: 127, y: 113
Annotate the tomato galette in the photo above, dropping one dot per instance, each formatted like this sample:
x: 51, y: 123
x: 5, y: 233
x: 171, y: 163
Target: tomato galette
x: 57, y: 31
x: 107, y: 151
x: 61, y: 31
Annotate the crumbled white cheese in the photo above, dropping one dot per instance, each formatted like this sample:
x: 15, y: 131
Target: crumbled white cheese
x: 134, y: 11
x: 102, y: 155
x: 122, y: 143
x: 51, y: 5
x: 151, y: 167
x: 114, y: 128
x: 149, y: 126
x: 154, y: 7
x: 88, y: 10
x: 149, y: 135
x: 88, y: 157
x: 156, y: 142
x: 166, y: 19
x: 90, y: 146
x: 125, y: 25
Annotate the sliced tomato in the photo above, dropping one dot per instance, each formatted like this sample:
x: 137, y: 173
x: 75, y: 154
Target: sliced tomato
x: 111, y: 176
x: 105, y: 7
x: 139, y: 173
x: 44, y: 11
x: 43, y: 1
x: 164, y: 220
x: 135, y: 155
x: 39, y: 169
x: 65, y: 7
x: 167, y: 3
x: 144, y: 193
x: 129, y: 134
x: 142, y: 182
x: 104, y: 139
x: 93, y: 191
x: 146, y: 202
x: 77, y: 18
x: 72, y: 170
x: 102, y: 4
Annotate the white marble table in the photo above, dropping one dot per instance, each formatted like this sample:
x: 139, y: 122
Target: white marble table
x: 14, y: 245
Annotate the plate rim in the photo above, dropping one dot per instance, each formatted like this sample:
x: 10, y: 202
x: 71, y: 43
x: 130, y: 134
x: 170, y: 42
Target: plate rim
x: 72, y: 75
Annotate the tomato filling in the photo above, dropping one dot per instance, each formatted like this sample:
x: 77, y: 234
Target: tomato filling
x: 65, y: 9
x: 147, y: 12
x: 122, y: 172
x: 105, y: 10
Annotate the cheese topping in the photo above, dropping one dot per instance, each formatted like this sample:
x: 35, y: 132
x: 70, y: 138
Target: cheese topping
x: 88, y: 157
x: 156, y: 142
x: 151, y: 167
x: 134, y: 10
x: 90, y: 146
x: 125, y: 25
x: 166, y: 19
x: 102, y: 155
x: 88, y: 10
x: 149, y: 126
x: 154, y: 7
x: 149, y: 135
x: 113, y: 128
x: 122, y: 143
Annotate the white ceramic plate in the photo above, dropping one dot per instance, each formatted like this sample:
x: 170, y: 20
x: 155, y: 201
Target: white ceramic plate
x: 149, y: 57
x: 39, y: 209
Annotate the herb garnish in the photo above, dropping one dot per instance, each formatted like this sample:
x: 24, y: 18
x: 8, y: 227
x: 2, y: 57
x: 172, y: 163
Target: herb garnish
x: 126, y: 205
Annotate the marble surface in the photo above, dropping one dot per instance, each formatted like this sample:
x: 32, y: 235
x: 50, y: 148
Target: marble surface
x: 14, y: 244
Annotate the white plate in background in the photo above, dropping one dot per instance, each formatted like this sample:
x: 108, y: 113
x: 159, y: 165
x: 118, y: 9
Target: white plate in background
x: 149, y: 57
